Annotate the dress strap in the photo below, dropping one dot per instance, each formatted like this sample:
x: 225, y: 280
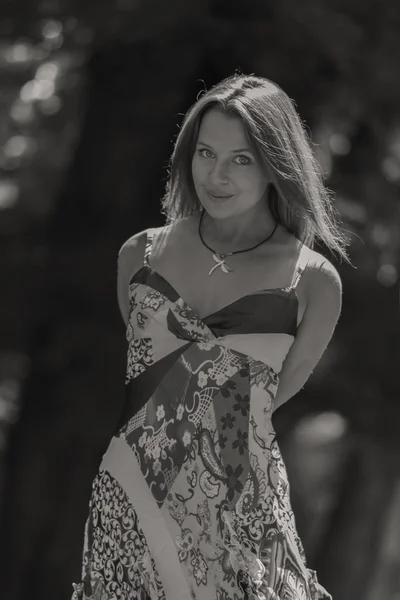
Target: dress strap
x: 149, y: 246
x: 301, y: 265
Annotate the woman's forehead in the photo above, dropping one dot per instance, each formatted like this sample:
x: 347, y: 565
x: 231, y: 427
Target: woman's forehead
x: 219, y: 129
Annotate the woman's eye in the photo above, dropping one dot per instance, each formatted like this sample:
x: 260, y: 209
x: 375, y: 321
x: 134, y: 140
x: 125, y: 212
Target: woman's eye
x: 238, y: 160
x: 242, y: 160
x: 203, y: 151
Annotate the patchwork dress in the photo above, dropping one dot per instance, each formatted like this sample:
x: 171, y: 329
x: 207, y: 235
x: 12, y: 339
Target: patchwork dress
x: 191, y: 500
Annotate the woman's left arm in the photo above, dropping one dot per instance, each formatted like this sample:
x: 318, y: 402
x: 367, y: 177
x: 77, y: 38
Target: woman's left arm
x: 323, y: 289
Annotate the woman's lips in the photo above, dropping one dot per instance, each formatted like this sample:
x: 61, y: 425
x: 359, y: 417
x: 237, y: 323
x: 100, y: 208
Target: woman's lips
x: 218, y: 197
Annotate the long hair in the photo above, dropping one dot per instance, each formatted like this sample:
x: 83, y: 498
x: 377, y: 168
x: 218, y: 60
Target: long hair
x: 297, y: 195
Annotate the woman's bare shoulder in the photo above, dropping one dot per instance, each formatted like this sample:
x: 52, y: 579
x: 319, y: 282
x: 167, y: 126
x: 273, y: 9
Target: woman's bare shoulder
x: 323, y: 284
x: 133, y: 241
x: 132, y: 248
x: 131, y: 253
x: 321, y: 269
x: 316, y: 266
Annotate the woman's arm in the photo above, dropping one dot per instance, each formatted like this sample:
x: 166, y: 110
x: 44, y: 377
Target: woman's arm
x: 130, y: 259
x: 323, y: 289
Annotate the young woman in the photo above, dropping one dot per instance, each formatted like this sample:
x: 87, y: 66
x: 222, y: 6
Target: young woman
x: 228, y: 309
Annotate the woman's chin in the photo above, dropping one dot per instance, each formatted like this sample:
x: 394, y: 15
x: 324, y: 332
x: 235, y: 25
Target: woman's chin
x: 215, y: 206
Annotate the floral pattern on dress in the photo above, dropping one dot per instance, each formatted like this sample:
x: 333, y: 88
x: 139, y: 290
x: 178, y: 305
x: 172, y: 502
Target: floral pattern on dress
x: 140, y: 356
x: 209, y: 455
x: 153, y: 299
x: 194, y: 327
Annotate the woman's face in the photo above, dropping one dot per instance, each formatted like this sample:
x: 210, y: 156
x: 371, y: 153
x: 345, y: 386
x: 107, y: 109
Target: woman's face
x: 226, y: 174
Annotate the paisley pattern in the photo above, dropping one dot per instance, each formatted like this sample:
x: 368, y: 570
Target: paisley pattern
x: 117, y: 564
x: 192, y: 499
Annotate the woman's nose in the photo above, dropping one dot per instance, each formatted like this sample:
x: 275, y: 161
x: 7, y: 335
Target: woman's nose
x: 219, y: 173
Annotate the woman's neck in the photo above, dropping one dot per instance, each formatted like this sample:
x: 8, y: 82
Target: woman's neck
x: 241, y: 230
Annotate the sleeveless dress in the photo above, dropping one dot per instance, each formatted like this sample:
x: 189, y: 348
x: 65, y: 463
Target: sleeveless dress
x: 191, y: 500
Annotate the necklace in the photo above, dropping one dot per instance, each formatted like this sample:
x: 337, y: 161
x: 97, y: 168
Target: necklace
x: 219, y: 257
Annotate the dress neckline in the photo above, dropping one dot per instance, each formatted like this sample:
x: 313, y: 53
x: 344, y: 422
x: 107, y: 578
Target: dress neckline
x: 290, y: 290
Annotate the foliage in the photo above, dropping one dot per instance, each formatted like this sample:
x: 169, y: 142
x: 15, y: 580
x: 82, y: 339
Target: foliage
x: 92, y: 94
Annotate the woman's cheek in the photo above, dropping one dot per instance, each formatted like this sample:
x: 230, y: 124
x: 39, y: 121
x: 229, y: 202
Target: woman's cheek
x: 199, y: 171
x: 195, y: 170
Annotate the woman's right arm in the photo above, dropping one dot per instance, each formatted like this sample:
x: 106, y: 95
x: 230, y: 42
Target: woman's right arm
x: 130, y: 259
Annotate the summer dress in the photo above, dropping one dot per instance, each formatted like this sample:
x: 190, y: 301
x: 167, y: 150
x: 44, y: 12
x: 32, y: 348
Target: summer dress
x: 191, y: 500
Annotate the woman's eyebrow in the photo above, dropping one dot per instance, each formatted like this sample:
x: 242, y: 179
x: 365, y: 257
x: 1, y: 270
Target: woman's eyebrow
x: 199, y: 143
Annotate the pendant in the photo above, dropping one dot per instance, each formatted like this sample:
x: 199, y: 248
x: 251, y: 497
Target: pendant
x: 220, y: 260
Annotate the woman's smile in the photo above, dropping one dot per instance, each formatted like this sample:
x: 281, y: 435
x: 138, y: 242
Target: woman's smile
x: 219, y: 197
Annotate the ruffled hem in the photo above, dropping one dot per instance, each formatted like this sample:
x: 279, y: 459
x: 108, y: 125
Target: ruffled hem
x: 318, y: 592
x: 78, y: 593
x: 98, y: 592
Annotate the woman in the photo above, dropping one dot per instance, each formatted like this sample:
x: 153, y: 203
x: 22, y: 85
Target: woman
x: 228, y: 310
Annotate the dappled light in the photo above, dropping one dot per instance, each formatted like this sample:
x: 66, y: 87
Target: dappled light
x: 91, y: 101
x: 9, y: 193
x: 19, y: 146
x: 52, y: 29
x: 320, y: 429
x: 387, y: 274
x: 339, y: 144
x: 47, y: 71
x: 18, y: 53
x: 50, y: 106
x: 37, y: 90
x: 22, y: 112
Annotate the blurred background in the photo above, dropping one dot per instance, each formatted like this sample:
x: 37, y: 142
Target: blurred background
x: 91, y: 98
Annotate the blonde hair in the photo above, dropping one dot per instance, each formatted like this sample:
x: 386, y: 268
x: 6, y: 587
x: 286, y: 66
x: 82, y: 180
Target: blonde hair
x: 297, y: 196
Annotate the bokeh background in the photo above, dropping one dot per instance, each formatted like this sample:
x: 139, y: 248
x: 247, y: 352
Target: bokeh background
x: 91, y: 97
